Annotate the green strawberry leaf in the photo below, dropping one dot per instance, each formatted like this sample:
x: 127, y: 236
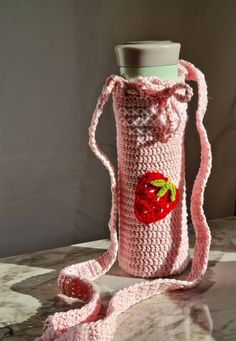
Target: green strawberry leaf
x: 163, y: 190
x: 164, y: 187
x: 172, y: 193
x: 158, y: 183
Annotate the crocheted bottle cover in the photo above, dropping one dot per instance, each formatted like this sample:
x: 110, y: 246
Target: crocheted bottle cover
x: 150, y: 199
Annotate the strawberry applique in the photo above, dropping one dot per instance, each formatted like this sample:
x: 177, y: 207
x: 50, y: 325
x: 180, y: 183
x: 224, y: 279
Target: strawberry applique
x: 155, y: 197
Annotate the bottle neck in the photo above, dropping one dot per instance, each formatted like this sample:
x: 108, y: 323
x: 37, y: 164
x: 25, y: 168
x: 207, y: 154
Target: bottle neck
x: 164, y: 72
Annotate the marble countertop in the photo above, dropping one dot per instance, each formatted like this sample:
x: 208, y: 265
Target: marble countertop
x: 208, y: 312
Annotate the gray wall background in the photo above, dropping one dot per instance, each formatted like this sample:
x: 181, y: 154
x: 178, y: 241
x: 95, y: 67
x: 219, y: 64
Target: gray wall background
x: 55, y: 56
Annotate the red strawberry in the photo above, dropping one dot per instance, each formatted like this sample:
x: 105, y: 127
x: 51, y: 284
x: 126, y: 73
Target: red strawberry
x: 155, y: 197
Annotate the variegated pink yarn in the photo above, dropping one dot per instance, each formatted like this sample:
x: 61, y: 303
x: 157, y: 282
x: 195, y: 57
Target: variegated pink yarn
x: 150, y: 119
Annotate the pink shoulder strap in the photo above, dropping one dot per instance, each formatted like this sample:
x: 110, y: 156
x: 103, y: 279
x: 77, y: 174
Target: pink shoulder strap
x: 76, y: 280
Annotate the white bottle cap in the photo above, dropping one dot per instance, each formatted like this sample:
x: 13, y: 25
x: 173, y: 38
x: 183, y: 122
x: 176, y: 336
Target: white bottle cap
x: 147, y: 53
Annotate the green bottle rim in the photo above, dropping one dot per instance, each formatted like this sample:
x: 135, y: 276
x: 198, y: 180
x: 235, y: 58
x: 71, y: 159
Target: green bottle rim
x: 164, y: 72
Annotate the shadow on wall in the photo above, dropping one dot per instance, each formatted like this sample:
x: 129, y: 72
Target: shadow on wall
x: 54, y: 61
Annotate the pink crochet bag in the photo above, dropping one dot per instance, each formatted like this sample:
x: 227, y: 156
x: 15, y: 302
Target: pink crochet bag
x: 149, y: 198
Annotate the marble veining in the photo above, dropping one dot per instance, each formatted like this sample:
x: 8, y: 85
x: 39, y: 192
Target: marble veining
x: 29, y: 294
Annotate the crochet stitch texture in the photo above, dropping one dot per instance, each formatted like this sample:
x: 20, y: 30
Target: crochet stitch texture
x: 150, y: 118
